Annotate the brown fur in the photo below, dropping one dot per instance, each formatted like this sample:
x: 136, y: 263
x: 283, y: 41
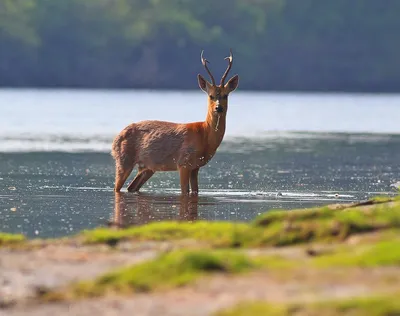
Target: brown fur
x: 166, y: 146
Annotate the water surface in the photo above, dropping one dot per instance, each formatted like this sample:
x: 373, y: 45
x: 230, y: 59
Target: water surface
x: 280, y: 151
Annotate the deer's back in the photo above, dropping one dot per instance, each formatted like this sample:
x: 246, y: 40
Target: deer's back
x: 156, y: 145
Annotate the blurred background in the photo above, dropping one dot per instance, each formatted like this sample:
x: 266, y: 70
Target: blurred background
x: 307, y: 45
x: 314, y: 120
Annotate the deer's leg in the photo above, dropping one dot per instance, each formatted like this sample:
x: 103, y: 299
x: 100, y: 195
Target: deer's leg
x: 184, y: 175
x: 194, y: 182
x: 121, y: 174
x: 134, y: 183
x: 147, y: 175
x: 140, y: 179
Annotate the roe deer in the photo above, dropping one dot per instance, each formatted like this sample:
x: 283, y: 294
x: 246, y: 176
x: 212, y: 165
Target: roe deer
x: 166, y: 146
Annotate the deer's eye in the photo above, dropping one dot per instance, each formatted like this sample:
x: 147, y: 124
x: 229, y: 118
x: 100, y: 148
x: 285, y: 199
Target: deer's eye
x: 212, y: 97
x: 225, y: 97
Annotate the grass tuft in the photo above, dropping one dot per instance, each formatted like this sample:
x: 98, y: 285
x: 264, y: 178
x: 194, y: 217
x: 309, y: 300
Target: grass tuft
x: 221, y: 234
x: 321, y: 224
x: 10, y: 239
x: 174, y: 269
x: 373, y: 306
x: 384, y: 253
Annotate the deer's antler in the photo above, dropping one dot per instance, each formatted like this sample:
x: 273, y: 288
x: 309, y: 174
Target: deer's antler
x: 230, y: 59
x: 204, y: 62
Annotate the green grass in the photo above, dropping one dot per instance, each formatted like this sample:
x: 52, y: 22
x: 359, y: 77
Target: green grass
x: 222, y: 234
x: 383, y: 199
x: 285, y: 228
x: 373, y: 306
x: 384, y: 253
x: 10, y: 239
x: 182, y: 267
x: 255, y: 309
x: 274, y: 228
x: 170, y: 270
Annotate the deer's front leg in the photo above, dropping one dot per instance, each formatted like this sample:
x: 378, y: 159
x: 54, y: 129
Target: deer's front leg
x: 194, y: 182
x: 184, y: 175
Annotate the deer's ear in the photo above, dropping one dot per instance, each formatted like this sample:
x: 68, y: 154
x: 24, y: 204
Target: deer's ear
x: 233, y: 83
x: 203, y: 83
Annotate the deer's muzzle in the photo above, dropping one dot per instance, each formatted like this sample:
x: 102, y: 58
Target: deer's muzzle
x: 219, y: 108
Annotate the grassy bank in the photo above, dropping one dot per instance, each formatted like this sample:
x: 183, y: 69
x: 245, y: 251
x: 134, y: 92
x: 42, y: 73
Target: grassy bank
x: 274, y: 228
x: 337, y: 245
x: 182, y: 267
x: 371, y: 306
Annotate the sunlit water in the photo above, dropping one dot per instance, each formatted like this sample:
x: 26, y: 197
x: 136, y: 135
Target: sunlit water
x: 280, y: 151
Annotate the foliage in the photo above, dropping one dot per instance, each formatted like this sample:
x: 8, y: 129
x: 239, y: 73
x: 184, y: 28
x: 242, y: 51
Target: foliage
x: 278, y: 44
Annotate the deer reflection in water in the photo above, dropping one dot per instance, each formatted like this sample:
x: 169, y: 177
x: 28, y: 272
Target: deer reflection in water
x: 142, y: 208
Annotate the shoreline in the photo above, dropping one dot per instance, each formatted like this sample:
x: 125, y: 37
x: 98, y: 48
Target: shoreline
x: 331, y: 254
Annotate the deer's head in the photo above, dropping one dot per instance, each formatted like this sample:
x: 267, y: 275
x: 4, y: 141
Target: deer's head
x: 218, y: 94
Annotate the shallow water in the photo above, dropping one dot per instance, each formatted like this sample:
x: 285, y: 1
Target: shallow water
x: 51, y: 194
x: 56, y: 173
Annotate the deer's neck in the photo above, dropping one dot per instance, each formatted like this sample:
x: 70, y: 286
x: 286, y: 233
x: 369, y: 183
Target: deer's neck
x: 215, y: 129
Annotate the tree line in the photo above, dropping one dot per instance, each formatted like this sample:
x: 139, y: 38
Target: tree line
x: 303, y: 45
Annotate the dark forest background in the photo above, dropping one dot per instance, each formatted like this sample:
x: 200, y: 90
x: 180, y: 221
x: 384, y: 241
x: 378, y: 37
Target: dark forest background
x: 308, y: 45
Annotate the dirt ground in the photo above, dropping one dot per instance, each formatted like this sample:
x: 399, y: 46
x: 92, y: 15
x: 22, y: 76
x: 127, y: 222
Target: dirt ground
x: 25, y: 273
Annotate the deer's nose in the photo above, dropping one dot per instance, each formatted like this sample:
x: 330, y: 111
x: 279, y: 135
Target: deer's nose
x: 219, y: 108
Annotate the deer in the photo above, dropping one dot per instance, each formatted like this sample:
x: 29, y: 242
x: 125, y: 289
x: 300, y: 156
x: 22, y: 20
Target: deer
x: 155, y: 145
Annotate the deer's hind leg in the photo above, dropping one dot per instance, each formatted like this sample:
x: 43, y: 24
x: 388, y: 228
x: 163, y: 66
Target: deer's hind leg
x: 123, y: 168
x: 141, y: 178
x: 121, y: 174
x: 123, y: 151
